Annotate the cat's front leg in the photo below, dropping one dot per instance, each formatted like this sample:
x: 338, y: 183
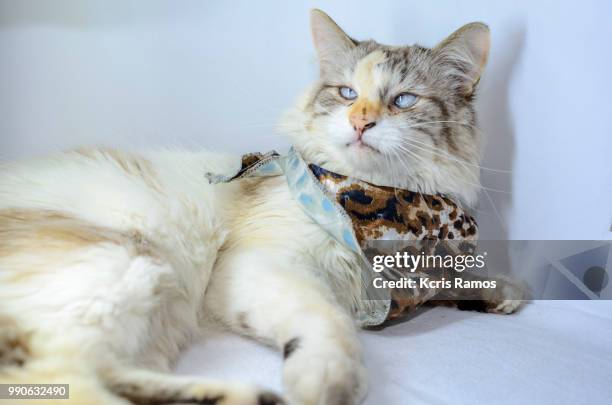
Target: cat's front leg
x: 259, y: 294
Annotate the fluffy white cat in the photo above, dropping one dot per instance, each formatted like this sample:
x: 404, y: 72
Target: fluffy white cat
x: 109, y: 260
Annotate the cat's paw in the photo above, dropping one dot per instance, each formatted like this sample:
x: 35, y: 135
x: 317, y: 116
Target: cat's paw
x: 506, y: 299
x: 324, y: 374
x: 506, y: 307
x: 257, y: 398
x: 226, y: 394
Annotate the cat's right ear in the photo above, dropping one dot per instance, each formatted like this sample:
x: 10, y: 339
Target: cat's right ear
x: 330, y: 41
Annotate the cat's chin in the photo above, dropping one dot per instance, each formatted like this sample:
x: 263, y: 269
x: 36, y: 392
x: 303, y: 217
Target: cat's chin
x: 355, y: 158
x: 363, y: 162
x: 361, y: 150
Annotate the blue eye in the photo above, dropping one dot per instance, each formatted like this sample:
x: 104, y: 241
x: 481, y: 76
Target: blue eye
x: 405, y: 100
x: 347, y: 93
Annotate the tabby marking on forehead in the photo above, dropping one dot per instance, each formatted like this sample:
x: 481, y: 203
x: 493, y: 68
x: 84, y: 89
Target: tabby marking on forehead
x: 368, y: 79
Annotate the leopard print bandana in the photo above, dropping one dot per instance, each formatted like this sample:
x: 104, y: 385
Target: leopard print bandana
x: 357, y: 213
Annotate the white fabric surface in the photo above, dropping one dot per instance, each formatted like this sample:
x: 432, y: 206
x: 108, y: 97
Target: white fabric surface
x: 553, y: 352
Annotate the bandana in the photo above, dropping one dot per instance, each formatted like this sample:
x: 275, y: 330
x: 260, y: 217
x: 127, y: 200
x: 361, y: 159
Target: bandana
x: 357, y: 214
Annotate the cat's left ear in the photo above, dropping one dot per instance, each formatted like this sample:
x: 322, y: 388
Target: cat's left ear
x: 465, y: 53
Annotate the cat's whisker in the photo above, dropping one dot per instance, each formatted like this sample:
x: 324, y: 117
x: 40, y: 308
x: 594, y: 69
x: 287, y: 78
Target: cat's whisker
x: 419, y: 158
x: 495, y: 210
x: 447, y: 155
x: 495, y: 213
x: 486, y: 190
x: 474, y: 209
x: 410, y: 143
x: 393, y: 168
x: 411, y: 153
x: 463, y: 123
x: 453, y: 158
x: 395, y: 174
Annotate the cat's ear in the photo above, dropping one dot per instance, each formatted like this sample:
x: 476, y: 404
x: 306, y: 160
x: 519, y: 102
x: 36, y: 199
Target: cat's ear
x: 465, y: 53
x: 330, y: 41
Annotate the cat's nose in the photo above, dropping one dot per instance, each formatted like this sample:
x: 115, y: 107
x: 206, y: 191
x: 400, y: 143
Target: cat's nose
x: 361, y: 125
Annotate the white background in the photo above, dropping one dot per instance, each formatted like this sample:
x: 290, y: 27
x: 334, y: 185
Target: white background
x: 217, y: 74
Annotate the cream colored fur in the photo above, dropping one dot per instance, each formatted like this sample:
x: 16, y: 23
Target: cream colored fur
x: 110, y: 261
x: 115, y: 261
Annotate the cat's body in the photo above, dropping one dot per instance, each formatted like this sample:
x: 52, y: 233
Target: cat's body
x: 150, y: 238
x: 109, y: 261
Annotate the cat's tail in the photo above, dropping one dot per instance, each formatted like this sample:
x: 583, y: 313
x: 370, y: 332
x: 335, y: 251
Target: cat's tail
x: 28, y: 358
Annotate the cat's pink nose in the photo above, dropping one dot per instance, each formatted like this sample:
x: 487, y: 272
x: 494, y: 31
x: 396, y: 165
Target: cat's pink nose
x: 361, y: 125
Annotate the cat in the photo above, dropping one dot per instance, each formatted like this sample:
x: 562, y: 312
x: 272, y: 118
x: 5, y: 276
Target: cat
x: 111, y: 261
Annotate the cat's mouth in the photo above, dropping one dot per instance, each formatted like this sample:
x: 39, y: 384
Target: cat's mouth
x: 361, y: 145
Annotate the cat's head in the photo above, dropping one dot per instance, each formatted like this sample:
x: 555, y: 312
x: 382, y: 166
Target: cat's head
x: 401, y: 116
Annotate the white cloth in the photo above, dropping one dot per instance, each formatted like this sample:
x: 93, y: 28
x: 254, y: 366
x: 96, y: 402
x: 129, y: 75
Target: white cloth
x: 551, y: 352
